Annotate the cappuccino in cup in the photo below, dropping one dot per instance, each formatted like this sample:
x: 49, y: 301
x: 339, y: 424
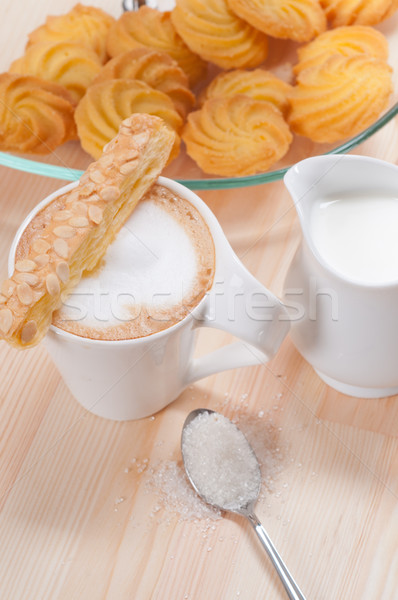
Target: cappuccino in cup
x: 158, y: 268
x: 170, y: 257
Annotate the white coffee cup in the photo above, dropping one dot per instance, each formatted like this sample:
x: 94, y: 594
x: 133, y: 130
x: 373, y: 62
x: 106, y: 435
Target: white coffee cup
x: 131, y: 379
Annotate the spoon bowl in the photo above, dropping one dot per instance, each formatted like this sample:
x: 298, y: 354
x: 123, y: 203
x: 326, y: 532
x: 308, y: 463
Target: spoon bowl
x: 223, y: 470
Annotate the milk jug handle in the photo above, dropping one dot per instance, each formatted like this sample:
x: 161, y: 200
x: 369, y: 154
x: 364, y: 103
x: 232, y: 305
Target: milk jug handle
x: 240, y: 305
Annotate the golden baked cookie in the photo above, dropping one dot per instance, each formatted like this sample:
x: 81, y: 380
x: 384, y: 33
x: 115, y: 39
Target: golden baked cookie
x: 236, y: 135
x: 258, y: 84
x: 85, y: 25
x: 340, y: 97
x: 218, y: 35
x: 155, y: 68
x: 107, y: 104
x: 298, y: 20
x: 77, y: 227
x: 36, y: 116
x: 153, y: 29
x: 358, y: 12
x: 347, y: 41
x: 72, y: 65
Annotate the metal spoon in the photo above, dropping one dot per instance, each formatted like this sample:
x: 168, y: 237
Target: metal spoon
x: 136, y: 4
x: 246, y: 509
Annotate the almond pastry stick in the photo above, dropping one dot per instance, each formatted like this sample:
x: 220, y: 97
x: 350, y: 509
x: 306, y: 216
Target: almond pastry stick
x: 72, y: 233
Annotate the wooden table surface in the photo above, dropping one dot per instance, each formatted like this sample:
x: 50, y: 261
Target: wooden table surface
x: 82, y: 512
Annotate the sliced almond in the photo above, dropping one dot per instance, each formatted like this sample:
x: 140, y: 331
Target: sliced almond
x: 96, y: 176
x: 92, y: 198
x: 80, y: 208
x: 62, y: 215
x: 141, y: 138
x: 5, y: 320
x: 25, y: 294
x: 61, y: 248
x: 95, y: 213
x: 52, y: 284
x: 64, y: 232
x: 29, y: 278
x: 128, y: 167
x: 7, y: 287
x: 62, y: 271
x: 42, y: 260
x: 86, y: 190
x: 41, y: 246
x: 25, y: 265
x: 110, y: 193
x: 28, y: 332
x: 73, y: 196
x: 106, y: 160
x: 79, y: 222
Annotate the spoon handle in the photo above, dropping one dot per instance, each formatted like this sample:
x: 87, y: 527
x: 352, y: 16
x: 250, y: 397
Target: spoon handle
x: 290, y: 585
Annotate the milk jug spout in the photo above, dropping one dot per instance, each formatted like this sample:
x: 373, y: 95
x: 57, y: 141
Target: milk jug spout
x: 323, y: 176
x: 305, y: 182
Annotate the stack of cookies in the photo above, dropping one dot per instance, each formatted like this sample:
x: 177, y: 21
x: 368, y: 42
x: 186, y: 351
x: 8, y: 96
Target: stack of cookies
x: 40, y: 92
x: 84, y: 72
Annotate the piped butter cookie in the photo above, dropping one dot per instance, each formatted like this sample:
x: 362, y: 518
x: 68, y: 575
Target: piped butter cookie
x: 358, y: 12
x: 69, y: 64
x: 218, y: 35
x: 298, y: 20
x: 339, y: 98
x: 153, y: 29
x: 156, y: 69
x: 236, y: 136
x: 346, y: 41
x: 85, y: 25
x: 107, y: 104
x: 258, y: 84
x: 36, y: 116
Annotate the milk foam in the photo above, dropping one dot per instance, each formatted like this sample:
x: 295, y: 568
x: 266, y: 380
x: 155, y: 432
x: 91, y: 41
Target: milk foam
x: 358, y: 236
x: 159, y: 266
x: 151, y: 262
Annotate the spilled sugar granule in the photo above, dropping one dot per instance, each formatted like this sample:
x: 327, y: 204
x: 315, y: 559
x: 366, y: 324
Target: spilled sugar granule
x: 176, y: 494
x: 220, y: 461
x: 263, y: 437
x: 167, y: 482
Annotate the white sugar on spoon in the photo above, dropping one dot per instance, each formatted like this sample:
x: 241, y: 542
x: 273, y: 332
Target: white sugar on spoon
x: 224, y: 471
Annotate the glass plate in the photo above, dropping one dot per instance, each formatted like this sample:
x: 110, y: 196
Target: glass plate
x: 183, y: 164
x: 69, y: 161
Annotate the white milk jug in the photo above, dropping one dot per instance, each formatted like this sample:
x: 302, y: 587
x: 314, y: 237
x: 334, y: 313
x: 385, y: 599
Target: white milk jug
x: 342, y: 286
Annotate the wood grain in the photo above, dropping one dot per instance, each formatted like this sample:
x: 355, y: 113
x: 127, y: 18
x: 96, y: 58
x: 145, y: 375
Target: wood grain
x: 78, y: 516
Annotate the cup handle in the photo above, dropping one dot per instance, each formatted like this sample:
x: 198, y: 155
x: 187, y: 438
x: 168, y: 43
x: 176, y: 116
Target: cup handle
x: 239, y: 304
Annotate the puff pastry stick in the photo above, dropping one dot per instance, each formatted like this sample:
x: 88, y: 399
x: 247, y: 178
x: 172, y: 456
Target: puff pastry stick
x: 72, y: 233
